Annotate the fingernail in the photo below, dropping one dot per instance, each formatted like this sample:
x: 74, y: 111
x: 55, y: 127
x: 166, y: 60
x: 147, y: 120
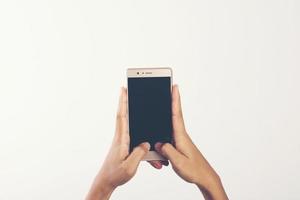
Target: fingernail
x: 158, y: 166
x: 147, y: 145
x: 155, y: 165
x: 158, y: 146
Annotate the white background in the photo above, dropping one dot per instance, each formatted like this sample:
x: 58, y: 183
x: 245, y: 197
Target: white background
x: 62, y: 64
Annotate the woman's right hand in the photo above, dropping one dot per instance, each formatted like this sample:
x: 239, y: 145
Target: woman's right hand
x: 187, y: 161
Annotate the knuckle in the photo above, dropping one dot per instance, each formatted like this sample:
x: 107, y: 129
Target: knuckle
x: 179, y: 164
x: 125, y: 169
x: 128, y: 171
x: 138, y: 150
x: 142, y: 149
x: 119, y: 116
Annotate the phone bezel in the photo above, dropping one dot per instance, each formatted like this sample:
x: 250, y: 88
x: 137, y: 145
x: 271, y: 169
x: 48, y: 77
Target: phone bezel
x: 144, y: 73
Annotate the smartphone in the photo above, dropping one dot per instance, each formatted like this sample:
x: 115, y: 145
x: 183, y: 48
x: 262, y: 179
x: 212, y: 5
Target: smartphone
x: 149, y: 107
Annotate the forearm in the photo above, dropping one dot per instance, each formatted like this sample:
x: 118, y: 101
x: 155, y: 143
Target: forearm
x: 214, y: 191
x: 99, y: 190
x: 98, y: 196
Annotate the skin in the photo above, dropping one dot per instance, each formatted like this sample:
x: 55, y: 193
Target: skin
x: 186, y: 160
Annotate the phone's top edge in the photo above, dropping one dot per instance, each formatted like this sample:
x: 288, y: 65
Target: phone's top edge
x: 149, y: 72
x: 149, y: 68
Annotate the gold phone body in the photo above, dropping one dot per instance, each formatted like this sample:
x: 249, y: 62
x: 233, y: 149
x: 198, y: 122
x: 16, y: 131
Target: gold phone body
x: 150, y: 72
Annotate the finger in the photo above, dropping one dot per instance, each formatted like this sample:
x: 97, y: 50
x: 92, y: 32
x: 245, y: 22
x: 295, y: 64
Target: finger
x: 122, y: 134
x: 156, y: 164
x: 137, y: 155
x: 177, y: 117
x: 168, y: 151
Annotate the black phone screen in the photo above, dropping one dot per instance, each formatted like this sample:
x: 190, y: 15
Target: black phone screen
x: 149, y: 109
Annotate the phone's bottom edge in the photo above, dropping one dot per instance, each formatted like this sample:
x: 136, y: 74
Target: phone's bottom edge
x: 153, y: 155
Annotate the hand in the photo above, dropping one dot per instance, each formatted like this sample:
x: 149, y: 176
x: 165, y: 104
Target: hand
x: 187, y: 161
x: 119, y: 166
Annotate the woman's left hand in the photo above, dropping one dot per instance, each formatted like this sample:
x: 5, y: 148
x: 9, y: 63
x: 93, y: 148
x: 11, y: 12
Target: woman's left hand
x: 119, y: 166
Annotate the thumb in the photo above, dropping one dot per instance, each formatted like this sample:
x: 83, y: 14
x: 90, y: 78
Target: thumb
x: 137, y: 154
x: 169, y: 151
